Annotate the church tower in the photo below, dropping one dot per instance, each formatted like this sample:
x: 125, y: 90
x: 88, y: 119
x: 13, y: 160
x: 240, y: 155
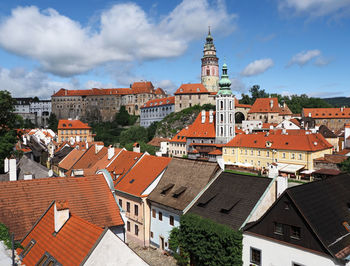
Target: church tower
x: 225, y: 110
x: 210, y: 65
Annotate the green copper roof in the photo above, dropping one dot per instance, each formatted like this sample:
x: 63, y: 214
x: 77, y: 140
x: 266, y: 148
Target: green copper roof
x: 224, y: 82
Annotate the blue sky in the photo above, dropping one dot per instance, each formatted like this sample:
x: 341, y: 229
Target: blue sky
x: 285, y: 46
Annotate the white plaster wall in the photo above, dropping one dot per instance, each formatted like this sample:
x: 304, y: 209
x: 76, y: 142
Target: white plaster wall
x: 112, y: 251
x: 162, y: 228
x: 278, y: 254
x: 287, y: 125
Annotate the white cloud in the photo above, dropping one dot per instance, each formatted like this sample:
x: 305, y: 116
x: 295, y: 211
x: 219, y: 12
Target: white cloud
x: 304, y: 57
x: 237, y: 85
x: 167, y: 85
x: 257, y: 67
x: 315, y: 8
x: 322, y: 61
x: 23, y: 83
x: 124, y: 33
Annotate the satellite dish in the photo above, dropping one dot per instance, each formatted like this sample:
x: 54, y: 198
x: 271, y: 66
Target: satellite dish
x: 50, y: 173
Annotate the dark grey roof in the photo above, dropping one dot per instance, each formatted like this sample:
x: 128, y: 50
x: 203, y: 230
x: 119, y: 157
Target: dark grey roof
x: 230, y: 198
x: 326, y: 206
x: 182, y: 181
x: 61, y: 154
x: 326, y: 132
x: 28, y: 166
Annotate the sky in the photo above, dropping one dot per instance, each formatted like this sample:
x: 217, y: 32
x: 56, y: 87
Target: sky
x: 285, y: 46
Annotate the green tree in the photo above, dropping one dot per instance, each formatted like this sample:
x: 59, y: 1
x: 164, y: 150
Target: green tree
x: 122, y: 118
x: 53, y: 122
x: 8, y: 121
x: 133, y: 134
x: 151, y: 130
x: 28, y: 123
x: 345, y: 166
x: 205, y: 242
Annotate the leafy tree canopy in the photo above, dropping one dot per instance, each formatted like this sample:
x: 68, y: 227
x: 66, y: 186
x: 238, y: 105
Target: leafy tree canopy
x: 200, y: 241
x: 122, y: 118
x: 345, y: 165
x: 295, y: 102
x: 53, y: 122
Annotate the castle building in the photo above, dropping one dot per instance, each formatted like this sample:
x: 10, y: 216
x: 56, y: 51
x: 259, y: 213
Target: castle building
x: 210, y: 65
x: 225, y: 110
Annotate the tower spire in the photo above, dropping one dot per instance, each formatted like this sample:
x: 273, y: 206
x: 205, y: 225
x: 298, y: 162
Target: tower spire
x: 224, y: 82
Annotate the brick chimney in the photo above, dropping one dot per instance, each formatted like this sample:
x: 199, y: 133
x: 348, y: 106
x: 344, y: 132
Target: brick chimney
x: 61, y: 214
x: 110, y: 152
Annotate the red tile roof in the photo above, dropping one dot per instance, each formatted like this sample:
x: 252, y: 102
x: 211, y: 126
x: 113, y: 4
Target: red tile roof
x: 298, y: 141
x: 194, y: 88
x: 263, y: 105
x: 91, y: 92
x: 76, y: 234
x: 156, y: 141
x: 142, y: 87
x: 344, y: 151
x: 102, y: 163
x: 67, y: 162
x: 201, y: 130
x: 160, y: 91
x: 142, y: 175
x: 90, y: 157
x: 23, y: 202
x: 122, y: 163
x: 327, y: 112
x: 72, y: 124
x: 215, y: 152
x: 159, y: 102
x: 180, y: 137
x: 239, y: 105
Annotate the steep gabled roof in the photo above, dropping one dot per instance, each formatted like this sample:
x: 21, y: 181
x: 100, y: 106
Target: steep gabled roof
x: 90, y: 157
x: 23, y: 202
x: 101, y: 163
x: 326, y: 112
x: 76, y: 234
x: 188, y: 177
x: 326, y: 132
x: 156, y: 141
x: 72, y: 124
x: 72, y: 157
x: 142, y: 175
x: 298, y: 141
x: 227, y: 202
x: 269, y: 105
x: 123, y: 163
x: 192, y: 88
x: 142, y: 87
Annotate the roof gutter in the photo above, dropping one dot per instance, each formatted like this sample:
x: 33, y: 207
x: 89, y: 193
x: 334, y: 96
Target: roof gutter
x: 259, y: 201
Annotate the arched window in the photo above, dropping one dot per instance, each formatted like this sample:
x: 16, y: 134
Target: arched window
x: 221, y: 105
x: 208, y: 72
x: 221, y: 131
x: 221, y: 118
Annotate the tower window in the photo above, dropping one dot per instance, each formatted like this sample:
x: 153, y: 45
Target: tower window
x: 221, y: 105
x: 208, y: 72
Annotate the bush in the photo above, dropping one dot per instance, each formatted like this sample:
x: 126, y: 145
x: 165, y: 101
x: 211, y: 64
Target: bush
x: 205, y: 242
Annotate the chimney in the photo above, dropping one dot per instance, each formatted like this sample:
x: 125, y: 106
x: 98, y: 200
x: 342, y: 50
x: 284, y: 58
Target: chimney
x: 136, y: 147
x: 28, y: 176
x: 65, y: 92
x: 98, y: 148
x: 271, y: 104
x: 203, y: 116
x: 12, y: 169
x: 309, y: 114
x: 86, y: 144
x: 342, y: 109
x: 6, y: 165
x: 110, y: 152
x: 211, y: 117
x: 61, y: 214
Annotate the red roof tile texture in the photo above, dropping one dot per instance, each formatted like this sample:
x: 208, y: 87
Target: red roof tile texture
x: 240, y: 105
x: 298, y: 141
x: 23, y: 202
x: 269, y: 105
x: 138, y: 179
x: 201, y: 130
x: 72, y: 124
x: 327, y: 112
x: 194, y: 88
x: 76, y: 234
x: 122, y: 163
x: 159, y: 102
x: 102, y: 163
x: 90, y: 157
x: 67, y: 162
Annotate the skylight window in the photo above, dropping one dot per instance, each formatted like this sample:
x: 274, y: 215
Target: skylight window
x: 179, y: 191
x: 132, y: 181
x: 166, y: 189
x: 27, y: 248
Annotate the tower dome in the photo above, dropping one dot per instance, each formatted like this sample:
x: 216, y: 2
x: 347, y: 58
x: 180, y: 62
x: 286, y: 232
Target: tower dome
x: 224, y: 82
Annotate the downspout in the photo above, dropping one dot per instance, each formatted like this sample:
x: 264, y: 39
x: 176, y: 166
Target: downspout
x: 144, y: 224
x: 259, y: 201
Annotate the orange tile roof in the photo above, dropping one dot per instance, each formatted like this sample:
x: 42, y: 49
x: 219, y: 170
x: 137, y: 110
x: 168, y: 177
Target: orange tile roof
x: 159, y: 102
x: 180, y: 137
x: 327, y: 112
x: 202, y: 130
x: 240, y: 105
x: 67, y: 162
x: 23, y: 202
x: 190, y: 88
x: 263, y: 105
x: 160, y: 91
x: 142, y: 175
x: 76, y: 234
x: 295, y: 121
x: 72, y: 124
x: 193, y: 151
x: 298, y: 141
x: 90, y: 158
x: 102, y: 163
x: 156, y: 141
x: 92, y: 92
x: 123, y: 162
x: 215, y: 152
x: 142, y: 87
x: 347, y: 125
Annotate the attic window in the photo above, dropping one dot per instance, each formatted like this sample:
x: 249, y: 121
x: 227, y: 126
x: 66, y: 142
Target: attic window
x: 336, y: 113
x: 287, y: 143
x: 166, y: 188
x: 179, y: 191
x: 131, y: 181
x: 203, y: 201
x: 64, y: 125
x: 228, y: 206
x: 323, y: 114
x: 27, y: 248
x: 316, y: 113
x: 198, y: 89
x: 181, y: 89
x: 255, y: 141
x: 70, y: 125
